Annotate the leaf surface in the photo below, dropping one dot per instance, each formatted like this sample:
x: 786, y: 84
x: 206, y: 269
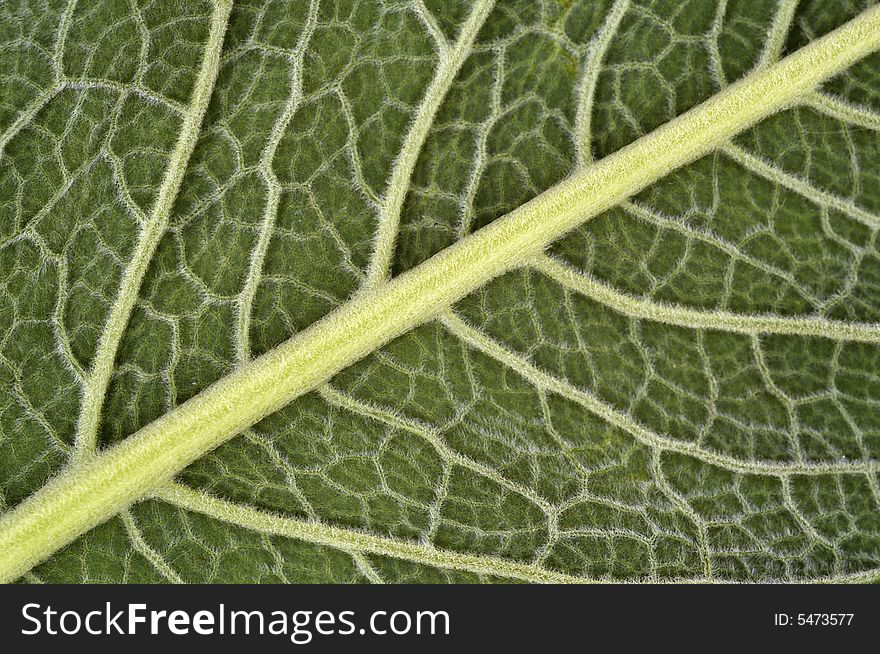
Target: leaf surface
x: 685, y: 387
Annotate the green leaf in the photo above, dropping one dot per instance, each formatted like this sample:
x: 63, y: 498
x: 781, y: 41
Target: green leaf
x: 684, y: 387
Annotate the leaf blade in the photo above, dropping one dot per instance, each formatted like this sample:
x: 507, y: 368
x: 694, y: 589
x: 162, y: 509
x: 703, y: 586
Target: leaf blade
x: 517, y: 478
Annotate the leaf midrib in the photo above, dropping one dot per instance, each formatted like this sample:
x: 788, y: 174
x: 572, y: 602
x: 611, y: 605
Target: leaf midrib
x: 87, y: 494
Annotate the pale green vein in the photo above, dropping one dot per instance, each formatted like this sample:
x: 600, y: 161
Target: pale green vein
x: 446, y: 453
x: 789, y: 503
x: 98, y: 487
x: 61, y: 38
x: 366, y: 568
x: 794, y: 428
x: 357, y: 168
x: 451, y: 60
x: 151, y: 97
x: 543, y: 380
x: 713, y: 46
x: 32, y: 412
x: 587, y: 88
x: 430, y: 23
x: 27, y: 116
x: 778, y: 32
x: 820, y: 198
x: 62, y: 339
x: 480, y: 158
x: 705, y: 236
x: 145, y: 38
x: 681, y: 316
x: 148, y: 238
x: 685, y: 507
x: 283, y: 465
x: 350, y: 540
x: 32, y: 109
x: 846, y: 112
x: 245, y: 301
x: 143, y: 548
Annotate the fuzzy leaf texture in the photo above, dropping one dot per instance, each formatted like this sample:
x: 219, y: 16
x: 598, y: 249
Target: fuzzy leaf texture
x: 684, y: 387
